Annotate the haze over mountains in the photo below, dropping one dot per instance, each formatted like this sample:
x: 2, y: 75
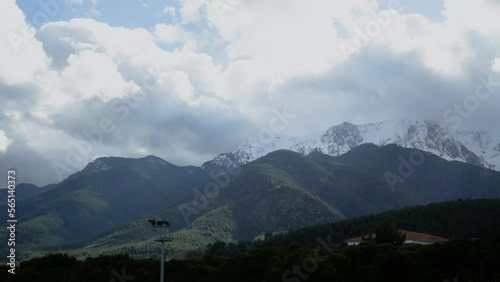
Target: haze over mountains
x: 106, y: 205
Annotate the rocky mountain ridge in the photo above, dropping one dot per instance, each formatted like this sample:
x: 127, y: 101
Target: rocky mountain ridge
x: 475, y: 147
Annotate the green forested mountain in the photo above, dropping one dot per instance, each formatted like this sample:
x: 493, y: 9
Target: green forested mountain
x: 105, y: 207
x: 421, y: 173
x: 460, y: 219
x: 315, y: 253
x: 107, y: 193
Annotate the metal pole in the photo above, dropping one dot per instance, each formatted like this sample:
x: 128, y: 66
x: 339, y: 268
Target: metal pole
x: 162, y: 262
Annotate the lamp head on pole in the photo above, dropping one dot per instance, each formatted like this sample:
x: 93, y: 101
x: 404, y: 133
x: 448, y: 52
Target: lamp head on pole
x: 162, y: 222
x: 161, y: 229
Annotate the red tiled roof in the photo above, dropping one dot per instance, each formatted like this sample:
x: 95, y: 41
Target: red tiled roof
x: 423, y: 236
x: 410, y: 235
x: 355, y: 239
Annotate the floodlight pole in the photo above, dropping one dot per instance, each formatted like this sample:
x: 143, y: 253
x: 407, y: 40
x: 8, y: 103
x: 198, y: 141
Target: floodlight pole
x: 163, y: 236
x: 162, y: 266
x: 162, y: 275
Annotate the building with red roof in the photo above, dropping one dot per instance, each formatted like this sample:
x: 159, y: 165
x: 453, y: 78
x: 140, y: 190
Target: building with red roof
x: 410, y: 238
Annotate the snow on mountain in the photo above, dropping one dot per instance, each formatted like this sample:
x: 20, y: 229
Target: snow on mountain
x: 474, y: 147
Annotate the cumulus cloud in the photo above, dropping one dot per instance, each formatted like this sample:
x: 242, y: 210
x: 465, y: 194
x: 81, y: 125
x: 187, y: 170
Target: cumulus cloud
x: 90, y: 74
x: 171, y: 34
x: 80, y: 89
x: 22, y: 57
x: 4, y: 142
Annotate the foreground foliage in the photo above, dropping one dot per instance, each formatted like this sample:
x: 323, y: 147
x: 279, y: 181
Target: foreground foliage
x: 463, y: 260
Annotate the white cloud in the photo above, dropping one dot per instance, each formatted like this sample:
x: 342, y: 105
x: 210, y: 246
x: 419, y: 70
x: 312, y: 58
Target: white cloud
x: 285, y: 38
x: 171, y: 34
x: 495, y: 66
x: 76, y: 73
x: 442, y: 47
x: 178, y: 82
x: 4, y: 142
x: 190, y: 9
x: 21, y: 55
x: 90, y: 74
x: 478, y: 16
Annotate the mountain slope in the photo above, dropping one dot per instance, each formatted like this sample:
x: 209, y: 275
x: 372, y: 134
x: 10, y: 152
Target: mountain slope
x: 25, y: 191
x: 474, y: 147
x: 285, y: 190
x: 260, y: 199
x: 107, y: 193
x: 454, y: 219
x: 428, y: 176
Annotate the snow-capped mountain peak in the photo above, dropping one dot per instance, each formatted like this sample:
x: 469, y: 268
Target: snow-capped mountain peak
x: 474, y: 147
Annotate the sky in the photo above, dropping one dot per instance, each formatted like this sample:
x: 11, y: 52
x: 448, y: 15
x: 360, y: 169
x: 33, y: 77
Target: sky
x: 186, y: 80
